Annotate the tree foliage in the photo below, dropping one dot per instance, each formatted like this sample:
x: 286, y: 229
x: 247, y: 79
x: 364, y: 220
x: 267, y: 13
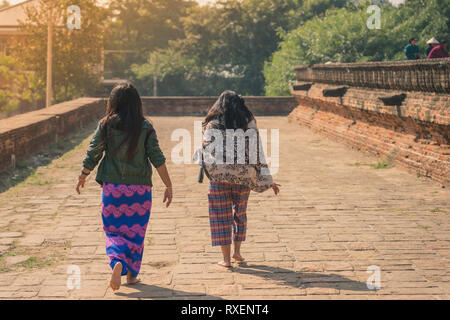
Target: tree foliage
x: 16, y: 86
x: 226, y: 44
x: 76, y: 53
x: 250, y: 46
x: 138, y: 27
x: 341, y: 35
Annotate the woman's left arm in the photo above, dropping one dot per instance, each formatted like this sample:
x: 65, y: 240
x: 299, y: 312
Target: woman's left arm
x: 164, y: 174
x: 158, y: 160
x: 265, y: 179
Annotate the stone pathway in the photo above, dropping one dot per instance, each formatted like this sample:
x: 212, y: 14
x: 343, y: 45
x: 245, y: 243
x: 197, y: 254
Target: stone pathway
x: 336, y: 216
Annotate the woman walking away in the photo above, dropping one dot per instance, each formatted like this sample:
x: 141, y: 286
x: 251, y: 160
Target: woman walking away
x: 128, y: 141
x: 234, y: 167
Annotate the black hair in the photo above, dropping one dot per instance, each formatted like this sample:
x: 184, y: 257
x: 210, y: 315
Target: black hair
x: 230, y: 108
x: 124, y: 113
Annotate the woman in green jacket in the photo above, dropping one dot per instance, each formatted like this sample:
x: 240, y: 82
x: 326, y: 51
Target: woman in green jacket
x: 129, y: 144
x: 412, y: 51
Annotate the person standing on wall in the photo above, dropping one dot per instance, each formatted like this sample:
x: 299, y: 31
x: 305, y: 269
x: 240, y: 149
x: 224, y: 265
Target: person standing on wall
x: 439, y: 51
x: 432, y: 43
x: 412, y: 51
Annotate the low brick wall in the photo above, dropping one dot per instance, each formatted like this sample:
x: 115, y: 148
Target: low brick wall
x: 26, y: 133
x: 414, y: 134
x: 424, y: 75
x: 200, y: 105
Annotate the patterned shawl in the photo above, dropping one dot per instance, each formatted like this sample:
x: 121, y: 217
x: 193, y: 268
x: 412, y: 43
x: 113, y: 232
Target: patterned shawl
x: 245, y: 166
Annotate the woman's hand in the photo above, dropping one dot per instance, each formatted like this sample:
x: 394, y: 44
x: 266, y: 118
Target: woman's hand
x: 164, y: 174
x: 81, y: 182
x: 82, y: 179
x: 168, y: 196
x: 275, y: 188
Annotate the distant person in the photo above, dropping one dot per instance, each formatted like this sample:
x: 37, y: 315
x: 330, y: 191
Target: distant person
x: 412, y: 51
x: 439, y: 51
x: 431, y: 44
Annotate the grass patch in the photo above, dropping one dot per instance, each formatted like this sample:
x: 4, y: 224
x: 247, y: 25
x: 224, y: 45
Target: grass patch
x: 356, y: 164
x: 38, y: 257
x: 437, y: 210
x: 35, y: 262
x: 379, y: 165
x: 425, y: 227
x: 36, y: 179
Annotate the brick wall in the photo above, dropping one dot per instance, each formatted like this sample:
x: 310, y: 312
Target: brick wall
x: 26, y: 133
x: 415, y: 134
x: 424, y: 75
x: 200, y: 105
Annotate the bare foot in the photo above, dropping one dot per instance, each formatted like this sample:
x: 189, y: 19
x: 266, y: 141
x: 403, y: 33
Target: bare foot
x: 132, y: 280
x: 116, y: 276
x: 238, y: 257
x: 224, y: 264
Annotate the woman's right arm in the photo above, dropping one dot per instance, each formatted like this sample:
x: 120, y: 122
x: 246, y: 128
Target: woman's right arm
x: 93, y: 156
x: 95, y: 150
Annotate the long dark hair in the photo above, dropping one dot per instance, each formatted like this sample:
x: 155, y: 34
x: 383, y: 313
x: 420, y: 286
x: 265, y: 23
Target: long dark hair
x: 124, y: 113
x: 230, y: 108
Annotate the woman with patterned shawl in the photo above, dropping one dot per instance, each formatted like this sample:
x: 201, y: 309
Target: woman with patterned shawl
x: 233, y: 160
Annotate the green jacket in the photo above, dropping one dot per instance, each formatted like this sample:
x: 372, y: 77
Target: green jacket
x: 115, y: 168
x: 411, y: 52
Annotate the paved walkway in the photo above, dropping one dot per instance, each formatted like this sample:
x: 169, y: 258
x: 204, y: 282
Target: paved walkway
x: 336, y: 216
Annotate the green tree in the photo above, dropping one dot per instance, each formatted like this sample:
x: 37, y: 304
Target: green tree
x: 16, y: 86
x: 178, y: 75
x: 226, y: 44
x: 138, y: 27
x: 341, y: 35
x: 309, y: 9
x: 76, y: 53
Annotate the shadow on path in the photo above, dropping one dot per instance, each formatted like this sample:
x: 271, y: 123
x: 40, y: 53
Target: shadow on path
x: 156, y: 292
x: 302, y: 279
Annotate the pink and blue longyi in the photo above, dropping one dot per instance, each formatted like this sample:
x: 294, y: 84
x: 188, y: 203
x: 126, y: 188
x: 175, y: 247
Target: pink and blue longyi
x: 125, y: 214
